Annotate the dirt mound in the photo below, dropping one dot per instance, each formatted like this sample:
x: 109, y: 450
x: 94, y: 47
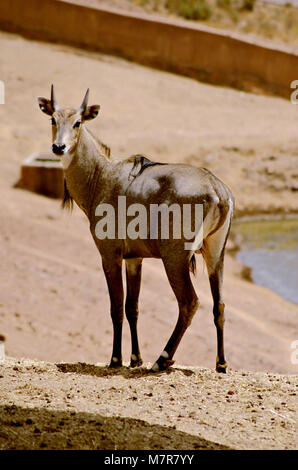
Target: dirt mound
x: 85, y: 406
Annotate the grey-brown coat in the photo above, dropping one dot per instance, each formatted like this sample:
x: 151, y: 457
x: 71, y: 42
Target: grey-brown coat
x: 94, y: 178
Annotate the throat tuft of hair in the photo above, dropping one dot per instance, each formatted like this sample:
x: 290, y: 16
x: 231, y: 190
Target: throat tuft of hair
x: 67, y: 201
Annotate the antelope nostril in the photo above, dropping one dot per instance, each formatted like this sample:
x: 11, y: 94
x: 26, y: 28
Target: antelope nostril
x: 58, y: 149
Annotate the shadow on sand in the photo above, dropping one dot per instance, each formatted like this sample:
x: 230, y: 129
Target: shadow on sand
x: 105, y: 371
x: 39, y: 428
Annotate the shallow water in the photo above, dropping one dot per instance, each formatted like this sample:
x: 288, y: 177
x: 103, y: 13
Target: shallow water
x: 270, y: 249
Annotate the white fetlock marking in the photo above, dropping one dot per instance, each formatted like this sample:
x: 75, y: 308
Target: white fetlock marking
x: 133, y: 357
x: 165, y: 355
x: 115, y: 359
x: 155, y: 367
x: 221, y: 366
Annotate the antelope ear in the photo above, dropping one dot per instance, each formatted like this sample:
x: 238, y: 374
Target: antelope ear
x: 45, y: 105
x: 91, y: 112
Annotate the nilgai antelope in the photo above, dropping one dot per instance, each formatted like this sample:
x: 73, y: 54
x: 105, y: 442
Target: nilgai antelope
x: 94, y: 180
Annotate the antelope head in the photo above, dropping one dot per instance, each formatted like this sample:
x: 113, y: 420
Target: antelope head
x: 66, y: 122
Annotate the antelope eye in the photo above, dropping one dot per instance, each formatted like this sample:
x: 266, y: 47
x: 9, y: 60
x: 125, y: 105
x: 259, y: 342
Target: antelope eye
x: 77, y: 124
x: 53, y: 121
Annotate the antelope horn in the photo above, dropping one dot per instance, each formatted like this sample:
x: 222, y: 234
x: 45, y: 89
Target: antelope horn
x: 83, y: 106
x: 53, y: 99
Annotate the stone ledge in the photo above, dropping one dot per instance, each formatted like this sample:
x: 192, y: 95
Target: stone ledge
x: 42, y: 173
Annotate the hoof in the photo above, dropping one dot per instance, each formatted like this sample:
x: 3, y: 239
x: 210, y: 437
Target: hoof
x: 115, y: 362
x: 162, y: 364
x: 135, y: 361
x: 221, y: 368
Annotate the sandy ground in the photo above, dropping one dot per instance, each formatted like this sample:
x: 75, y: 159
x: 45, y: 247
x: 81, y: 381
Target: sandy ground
x: 54, y: 303
x: 81, y: 406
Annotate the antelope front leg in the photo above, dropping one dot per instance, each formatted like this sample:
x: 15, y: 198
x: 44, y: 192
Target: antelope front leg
x: 133, y: 283
x: 113, y: 273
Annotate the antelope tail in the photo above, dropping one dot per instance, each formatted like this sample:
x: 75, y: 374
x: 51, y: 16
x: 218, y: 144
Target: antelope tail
x: 193, y: 265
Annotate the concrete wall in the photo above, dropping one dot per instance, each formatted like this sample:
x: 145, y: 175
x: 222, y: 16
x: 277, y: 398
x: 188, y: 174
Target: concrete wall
x: 196, y: 51
x: 43, y: 174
